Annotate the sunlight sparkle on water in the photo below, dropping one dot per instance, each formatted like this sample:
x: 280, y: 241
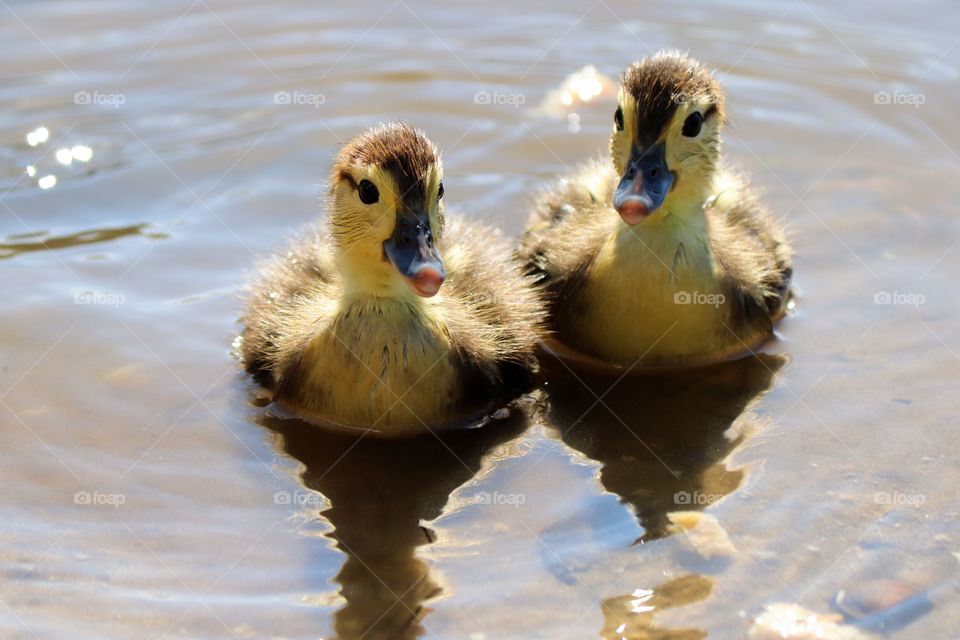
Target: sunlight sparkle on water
x: 583, y: 85
x: 81, y: 153
x: 47, y: 182
x: 38, y: 136
x: 640, y: 596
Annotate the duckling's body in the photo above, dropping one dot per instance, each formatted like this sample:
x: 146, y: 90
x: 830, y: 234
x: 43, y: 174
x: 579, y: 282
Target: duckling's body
x: 345, y: 335
x: 697, y: 272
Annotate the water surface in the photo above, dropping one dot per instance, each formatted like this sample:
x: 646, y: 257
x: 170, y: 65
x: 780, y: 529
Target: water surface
x: 146, y: 494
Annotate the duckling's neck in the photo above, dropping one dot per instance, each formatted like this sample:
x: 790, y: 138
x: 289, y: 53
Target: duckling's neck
x: 691, y: 193
x: 367, y: 274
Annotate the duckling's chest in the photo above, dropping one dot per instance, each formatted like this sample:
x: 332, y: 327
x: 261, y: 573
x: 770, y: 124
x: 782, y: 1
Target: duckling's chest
x: 653, y: 296
x: 382, y: 364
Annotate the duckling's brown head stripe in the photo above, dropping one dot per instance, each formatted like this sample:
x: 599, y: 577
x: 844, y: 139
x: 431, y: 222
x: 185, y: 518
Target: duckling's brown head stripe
x: 660, y: 84
x: 397, y: 148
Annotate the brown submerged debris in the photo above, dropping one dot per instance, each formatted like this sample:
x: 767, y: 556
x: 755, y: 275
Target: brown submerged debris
x: 874, y: 596
x: 883, y: 604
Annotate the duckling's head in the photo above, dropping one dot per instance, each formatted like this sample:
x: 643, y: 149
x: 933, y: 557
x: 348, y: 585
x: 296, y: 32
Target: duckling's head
x: 666, y: 134
x: 387, y: 211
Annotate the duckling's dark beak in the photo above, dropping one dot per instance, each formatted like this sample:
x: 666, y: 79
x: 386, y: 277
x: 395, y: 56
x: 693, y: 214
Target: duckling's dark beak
x: 412, y: 253
x: 644, y: 184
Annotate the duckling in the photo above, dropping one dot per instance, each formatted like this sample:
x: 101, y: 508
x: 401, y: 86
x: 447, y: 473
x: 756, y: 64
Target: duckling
x: 663, y: 256
x: 392, y: 317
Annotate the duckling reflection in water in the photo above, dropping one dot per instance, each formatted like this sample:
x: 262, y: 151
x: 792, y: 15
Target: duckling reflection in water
x: 395, y: 318
x: 694, y: 268
x: 380, y: 491
x: 662, y: 439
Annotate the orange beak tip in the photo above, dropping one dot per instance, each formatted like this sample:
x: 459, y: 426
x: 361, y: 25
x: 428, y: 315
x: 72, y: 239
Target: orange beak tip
x: 427, y: 283
x: 633, y: 212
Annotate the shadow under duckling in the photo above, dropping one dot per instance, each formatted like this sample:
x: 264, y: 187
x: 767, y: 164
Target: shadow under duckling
x: 393, y: 318
x: 694, y: 269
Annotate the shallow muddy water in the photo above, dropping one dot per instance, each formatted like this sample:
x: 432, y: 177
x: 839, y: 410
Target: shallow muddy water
x: 145, y: 494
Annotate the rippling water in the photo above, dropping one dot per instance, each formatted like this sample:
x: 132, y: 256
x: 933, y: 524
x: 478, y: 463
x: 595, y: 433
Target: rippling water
x: 145, y: 492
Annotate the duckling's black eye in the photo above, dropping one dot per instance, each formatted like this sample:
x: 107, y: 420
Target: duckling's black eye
x: 368, y: 192
x: 618, y: 118
x: 692, y: 125
x: 440, y: 192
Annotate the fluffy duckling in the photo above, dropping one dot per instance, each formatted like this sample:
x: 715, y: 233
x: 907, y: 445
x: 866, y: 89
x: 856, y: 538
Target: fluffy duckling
x: 694, y: 268
x: 393, y: 318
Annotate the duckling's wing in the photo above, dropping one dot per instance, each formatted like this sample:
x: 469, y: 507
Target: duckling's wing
x: 274, y: 326
x: 753, y: 250
x: 492, y: 311
x: 761, y: 225
x: 567, y: 227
